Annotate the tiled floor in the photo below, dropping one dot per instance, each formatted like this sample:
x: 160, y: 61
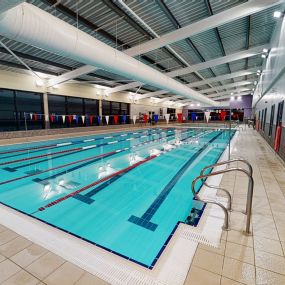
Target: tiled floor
x: 240, y: 259
x: 257, y: 259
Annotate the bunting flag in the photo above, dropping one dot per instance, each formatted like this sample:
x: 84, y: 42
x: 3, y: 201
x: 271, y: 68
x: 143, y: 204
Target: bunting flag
x: 145, y: 118
x: 207, y: 116
x: 56, y: 118
x: 223, y: 115
x: 36, y: 116
x: 91, y: 119
x: 74, y: 117
x: 116, y: 117
x: 166, y: 116
x: 83, y: 119
x: 193, y: 117
x: 155, y: 118
x: 98, y: 120
x: 124, y: 119
x: 70, y: 118
x: 46, y: 118
x: 40, y: 116
x: 107, y: 119
x: 179, y: 117
x: 31, y: 116
x: 134, y: 119
x: 63, y: 119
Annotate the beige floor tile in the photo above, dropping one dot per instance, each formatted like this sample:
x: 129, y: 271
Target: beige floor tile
x: 2, y: 258
x: 28, y: 255
x: 268, y: 245
x: 220, y: 250
x: 21, y: 278
x: 209, y: 261
x: 270, y: 261
x: 45, y: 265
x: 239, y: 238
x: 14, y: 246
x: 7, y: 236
x: 66, y: 274
x: 7, y: 269
x: 227, y: 281
x: 265, y: 277
x: 89, y: 279
x: 198, y: 276
x: 240, y: 252
x: 239, y: 271
x: 2, y: 228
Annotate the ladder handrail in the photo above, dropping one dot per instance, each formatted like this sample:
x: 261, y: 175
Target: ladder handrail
x: 249, y: 194
x: 228, y: 162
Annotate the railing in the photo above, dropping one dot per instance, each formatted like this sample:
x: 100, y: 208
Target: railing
x: 227, y: 209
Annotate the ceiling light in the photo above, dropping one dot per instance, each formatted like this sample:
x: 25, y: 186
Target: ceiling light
x: 265, y: 50
x: 251, y: 93
x: 232, y: 93
x: 258, y: 71
x: 277, y: 14
x: 39, y: 83
x: 255, y: 82
x: 232, y: 98
x: 191, y: 105
x: 239, y: 98
x: 252, y: 89
x: 263, y: 55
x: 198, y: 104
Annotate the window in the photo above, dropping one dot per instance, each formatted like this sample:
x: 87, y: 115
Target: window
x: 57, y: 106
x: 264, y: 119
x: 271, y: 120
x: 8, y: 118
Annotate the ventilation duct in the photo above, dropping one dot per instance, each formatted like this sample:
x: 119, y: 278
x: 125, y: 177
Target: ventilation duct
x: 29, y: 24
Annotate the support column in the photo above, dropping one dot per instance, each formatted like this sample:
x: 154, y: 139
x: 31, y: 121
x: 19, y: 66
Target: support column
x: 46, y: 111
x: 100, y: 108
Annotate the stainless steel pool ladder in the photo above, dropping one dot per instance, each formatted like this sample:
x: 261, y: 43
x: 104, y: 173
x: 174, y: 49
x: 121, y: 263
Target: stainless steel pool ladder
x: 227, y: 209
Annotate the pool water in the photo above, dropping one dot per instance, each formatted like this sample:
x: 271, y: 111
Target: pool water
x: 123, y: 191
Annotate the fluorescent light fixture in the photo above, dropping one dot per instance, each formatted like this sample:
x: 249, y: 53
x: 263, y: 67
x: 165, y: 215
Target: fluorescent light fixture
x: 265, y: 50
x: 258, y: 71
x: 39, y: 83
x: 252, y: 89
x: 191, y: 105
x: 232, y: 98
x: 198, y: 104
x: 277, y: 14
x: 263, y: 55
x: 232, y: 93
x: 239, y: 98
x: 255, y: 82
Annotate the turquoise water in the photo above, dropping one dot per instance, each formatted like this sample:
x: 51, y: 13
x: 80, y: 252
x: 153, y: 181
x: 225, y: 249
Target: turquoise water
x: 128, y: 202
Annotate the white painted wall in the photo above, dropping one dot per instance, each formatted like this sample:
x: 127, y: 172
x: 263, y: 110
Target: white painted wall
x: 271, y: 87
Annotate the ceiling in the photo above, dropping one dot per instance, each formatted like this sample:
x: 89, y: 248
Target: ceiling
x: 110, y: 22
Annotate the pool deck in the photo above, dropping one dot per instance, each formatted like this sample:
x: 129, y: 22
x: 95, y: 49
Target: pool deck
x: 257, y: 259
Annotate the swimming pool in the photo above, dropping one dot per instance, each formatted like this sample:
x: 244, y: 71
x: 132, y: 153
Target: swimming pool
x: 124, y: 192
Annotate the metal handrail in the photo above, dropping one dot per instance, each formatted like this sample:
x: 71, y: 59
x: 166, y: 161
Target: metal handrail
x: 249, y: 195
x: 229, y: 162
x: 238, y: 159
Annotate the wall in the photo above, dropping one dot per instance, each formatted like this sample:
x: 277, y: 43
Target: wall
x: 245, y: 103
x: 271, y: 88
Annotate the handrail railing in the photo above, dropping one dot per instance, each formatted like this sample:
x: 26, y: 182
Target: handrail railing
x: 249, y: 194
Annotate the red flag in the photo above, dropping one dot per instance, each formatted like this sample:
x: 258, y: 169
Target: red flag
x: 52, y: 118
x: 179, y: 115
x: 223, y: 115
x: 116, y: 117
x: 145, y: 118
x: 91, y: 119
x: 70, y: 117
x: 36, y: 117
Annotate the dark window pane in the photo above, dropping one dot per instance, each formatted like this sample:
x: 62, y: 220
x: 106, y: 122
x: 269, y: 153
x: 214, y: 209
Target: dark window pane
x: 7, y: 111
